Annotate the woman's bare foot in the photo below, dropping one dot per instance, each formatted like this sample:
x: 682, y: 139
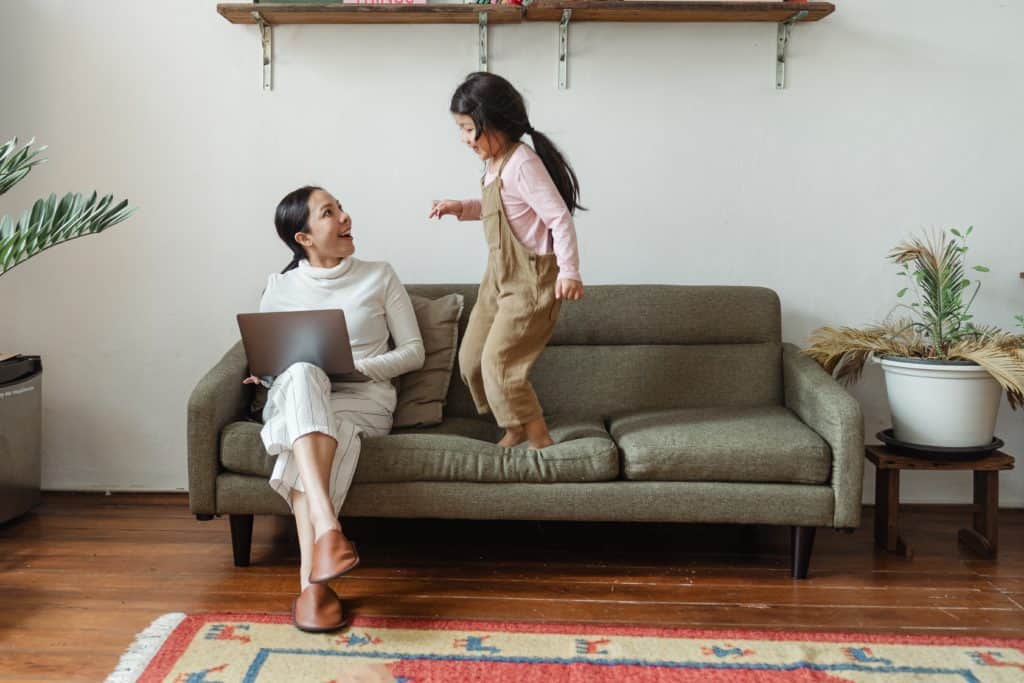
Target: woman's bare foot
x: 513, y: 437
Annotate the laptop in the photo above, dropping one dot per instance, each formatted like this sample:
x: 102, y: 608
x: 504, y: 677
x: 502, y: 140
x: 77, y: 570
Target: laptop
x: 274, y: 341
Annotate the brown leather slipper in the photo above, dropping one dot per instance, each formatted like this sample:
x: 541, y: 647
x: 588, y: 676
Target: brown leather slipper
x: 318, y: 610
x: 333, y: 556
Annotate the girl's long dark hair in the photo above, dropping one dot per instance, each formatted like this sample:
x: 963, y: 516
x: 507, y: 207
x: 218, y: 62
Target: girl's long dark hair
x: 494, y: 103
x: 292, y: 216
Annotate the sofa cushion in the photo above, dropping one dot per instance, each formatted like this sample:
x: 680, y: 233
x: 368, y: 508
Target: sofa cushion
x: 422, y: 393
x: 648, y: 347
x: 459, y: 449
x: 766, y: 444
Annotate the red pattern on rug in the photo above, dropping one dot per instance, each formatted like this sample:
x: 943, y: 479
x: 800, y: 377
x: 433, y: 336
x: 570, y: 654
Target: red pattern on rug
x: 223, y: 647
x: 421, y: 670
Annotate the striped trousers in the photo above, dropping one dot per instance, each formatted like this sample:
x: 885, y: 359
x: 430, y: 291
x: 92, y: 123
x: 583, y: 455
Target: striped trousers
x: 302, y: 401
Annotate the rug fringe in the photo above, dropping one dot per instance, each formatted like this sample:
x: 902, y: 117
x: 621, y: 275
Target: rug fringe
x: 135, y: 659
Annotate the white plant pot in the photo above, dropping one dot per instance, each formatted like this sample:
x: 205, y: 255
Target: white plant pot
x: 941, y: 403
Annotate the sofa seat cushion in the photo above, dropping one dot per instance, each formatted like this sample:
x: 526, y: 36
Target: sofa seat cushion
x: 767, y: 444
x: 458, y: 449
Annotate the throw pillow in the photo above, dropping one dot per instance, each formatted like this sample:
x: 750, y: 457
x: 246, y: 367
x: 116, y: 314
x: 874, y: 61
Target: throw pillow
x: 421, y: 393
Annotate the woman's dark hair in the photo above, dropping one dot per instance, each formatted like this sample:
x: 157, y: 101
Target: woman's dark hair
x: 494, y: 103
x: 292, y: 216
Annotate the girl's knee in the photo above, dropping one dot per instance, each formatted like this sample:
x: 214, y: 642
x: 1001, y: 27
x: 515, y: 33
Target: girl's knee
x: 491, y: 363
x: 469, y: 363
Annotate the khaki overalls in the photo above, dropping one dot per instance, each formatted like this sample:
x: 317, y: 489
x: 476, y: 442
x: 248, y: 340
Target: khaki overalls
x: 512, y: 321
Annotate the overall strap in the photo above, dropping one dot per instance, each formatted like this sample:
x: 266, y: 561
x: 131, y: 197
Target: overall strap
x: 508, y: 155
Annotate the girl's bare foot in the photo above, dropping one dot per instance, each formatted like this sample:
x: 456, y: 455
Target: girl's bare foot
x: 534, y: 431
x: 513, y: 437
x: 537, y: 433
x: 542, y: 443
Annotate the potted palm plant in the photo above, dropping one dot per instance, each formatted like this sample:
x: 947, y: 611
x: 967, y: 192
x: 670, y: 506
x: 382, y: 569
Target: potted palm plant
x: 944, y: 373
x: 49, y: 222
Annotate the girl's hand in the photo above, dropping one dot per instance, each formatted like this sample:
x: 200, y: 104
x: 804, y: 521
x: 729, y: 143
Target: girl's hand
x: 444, y: 207
x: 251, y: 379
x: 569, y: 289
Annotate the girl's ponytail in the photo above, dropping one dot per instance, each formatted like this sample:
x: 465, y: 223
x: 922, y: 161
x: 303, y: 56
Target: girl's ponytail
x: 494, y: 103
x: 558, y: 168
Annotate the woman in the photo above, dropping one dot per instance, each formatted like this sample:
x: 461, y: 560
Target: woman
x: 312, y: 426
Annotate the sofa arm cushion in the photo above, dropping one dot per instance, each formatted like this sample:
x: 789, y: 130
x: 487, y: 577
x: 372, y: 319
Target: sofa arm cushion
x: 219, y: 399
x: 835, y: 415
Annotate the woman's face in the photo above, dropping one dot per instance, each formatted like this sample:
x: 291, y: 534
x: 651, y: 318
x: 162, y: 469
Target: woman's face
x: 490, y: 145
x: 330, y: 231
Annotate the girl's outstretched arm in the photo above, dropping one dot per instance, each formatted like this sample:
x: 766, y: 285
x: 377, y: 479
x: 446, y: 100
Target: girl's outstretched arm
x: 445, y: 207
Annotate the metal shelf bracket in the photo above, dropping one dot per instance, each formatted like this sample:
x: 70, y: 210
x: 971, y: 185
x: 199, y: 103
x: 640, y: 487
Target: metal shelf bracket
x: 563, y: 49
x: 267, y: 47
x: 482, y: 59
x: 781, y: 42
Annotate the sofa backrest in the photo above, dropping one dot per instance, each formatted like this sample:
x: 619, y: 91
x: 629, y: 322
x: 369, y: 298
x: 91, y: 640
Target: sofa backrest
x: 624, y: 348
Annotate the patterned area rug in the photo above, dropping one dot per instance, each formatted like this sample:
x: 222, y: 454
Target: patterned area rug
x: 208, y: 648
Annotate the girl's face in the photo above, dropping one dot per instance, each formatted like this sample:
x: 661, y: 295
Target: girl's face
x: 330, y: 231
x: 490, y: 145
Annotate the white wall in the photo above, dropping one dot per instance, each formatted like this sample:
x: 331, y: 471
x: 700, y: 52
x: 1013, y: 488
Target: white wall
x: 898, y: 116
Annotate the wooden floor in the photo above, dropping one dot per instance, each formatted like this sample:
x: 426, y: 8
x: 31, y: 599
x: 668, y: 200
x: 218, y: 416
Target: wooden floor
x: 83, y: 573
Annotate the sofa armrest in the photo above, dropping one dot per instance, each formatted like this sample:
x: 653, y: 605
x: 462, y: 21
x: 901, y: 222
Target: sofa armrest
x: 219, y: 399
x: 824, y: 406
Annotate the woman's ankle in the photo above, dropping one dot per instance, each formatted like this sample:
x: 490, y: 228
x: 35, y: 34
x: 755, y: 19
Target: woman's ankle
x: 321, y: 528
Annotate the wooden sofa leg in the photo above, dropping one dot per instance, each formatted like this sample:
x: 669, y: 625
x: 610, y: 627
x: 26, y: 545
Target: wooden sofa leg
x: 241, y: 538
x: 803, y: 542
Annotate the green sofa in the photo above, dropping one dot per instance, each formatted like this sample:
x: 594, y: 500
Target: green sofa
x: 667, y: 404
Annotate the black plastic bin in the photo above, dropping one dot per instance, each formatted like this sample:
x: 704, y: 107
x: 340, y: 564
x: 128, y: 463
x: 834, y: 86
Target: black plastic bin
x: 21, y: 406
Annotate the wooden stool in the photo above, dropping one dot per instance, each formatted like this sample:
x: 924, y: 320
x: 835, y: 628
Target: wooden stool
x: 982, y: 539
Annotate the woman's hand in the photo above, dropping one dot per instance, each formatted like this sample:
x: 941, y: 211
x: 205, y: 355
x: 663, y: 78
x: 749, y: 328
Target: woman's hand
x: 251, y: 379
x: 569, y: 289
x: 444, y: 207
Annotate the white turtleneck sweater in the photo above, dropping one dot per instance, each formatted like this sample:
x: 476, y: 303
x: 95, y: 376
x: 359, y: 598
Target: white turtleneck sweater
x: 377, y: 308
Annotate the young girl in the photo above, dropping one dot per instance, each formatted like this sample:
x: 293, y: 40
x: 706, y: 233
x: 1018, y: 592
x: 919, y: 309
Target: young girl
x: 528, y: 201
x: 313, y: 427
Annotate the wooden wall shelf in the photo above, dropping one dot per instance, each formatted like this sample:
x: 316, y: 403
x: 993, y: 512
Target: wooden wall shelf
x: 540, y: 10
x: 630, y: 11
x: 266, y: 15
x: 277, y: 14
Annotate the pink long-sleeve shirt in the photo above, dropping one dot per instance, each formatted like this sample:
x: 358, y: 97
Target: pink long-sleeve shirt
x: 536, y: 212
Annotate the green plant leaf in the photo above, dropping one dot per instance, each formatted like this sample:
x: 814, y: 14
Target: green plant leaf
x: 981, y: 269
x: 955, y: 232
x: 900, y: 293
x: 50, y: 222
x: 15, y: 164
